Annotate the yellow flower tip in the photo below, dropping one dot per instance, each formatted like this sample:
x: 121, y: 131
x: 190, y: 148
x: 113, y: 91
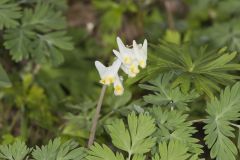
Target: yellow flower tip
x: 107, y: 80
x: 142, y: 63
x: 102, y: 81
x: 118, y: 90
x: 111, y: 79
x: 127, y: 60
x: 134, y: 69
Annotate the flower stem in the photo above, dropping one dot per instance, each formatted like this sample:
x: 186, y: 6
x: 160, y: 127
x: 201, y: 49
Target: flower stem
x: 96, y: 117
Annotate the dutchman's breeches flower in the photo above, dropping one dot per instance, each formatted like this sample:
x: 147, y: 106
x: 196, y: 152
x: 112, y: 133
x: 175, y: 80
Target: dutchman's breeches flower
x: 128, y: 59
x: 140, y: 52
x: 108, y: 74
x: 125, y: 54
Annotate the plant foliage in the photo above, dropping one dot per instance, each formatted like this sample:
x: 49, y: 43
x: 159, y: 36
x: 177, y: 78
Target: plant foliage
x: 54, y: 150
x: 9, y: 14
x: 174, y: 150
x: 181, y: 111
x: 134, y: 140
x: 173, y: 126
x: 38, y: 35
x: 219, y: 131
x: 165, y: 95
x: 204, y: 70
x: 16, y: 151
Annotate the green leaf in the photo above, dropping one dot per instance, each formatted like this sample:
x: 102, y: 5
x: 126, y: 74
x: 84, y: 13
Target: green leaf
x: 165, y: 95
x: 201, y: 69
x: 43, y: 18
x: 19, y: 42
x: 136, y: 139
x: 57, y: 150
x: 120, y: 135
x: 221, y: 113
x: 9, y: 14
x: 98, y: 152
x: 138, y: 157
x: 223, y: 34
x: 4, y: 80
x: 40, y: 36
x: 174, y: 150
x: 173, y: 125
x: 16, y: 151
x: 51, y: 45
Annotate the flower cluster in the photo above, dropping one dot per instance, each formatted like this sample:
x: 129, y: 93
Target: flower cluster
x: 128, y: 59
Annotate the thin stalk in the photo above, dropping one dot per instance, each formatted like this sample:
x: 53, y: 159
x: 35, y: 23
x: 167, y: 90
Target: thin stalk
x: 170, y: 18
x: 235, y: 125
x: 198, y: 120
x: 14, y: 121
x: 96, y: 117
x: 129, y: 156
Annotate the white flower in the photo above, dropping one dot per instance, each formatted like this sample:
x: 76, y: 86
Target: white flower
x: 140, y: 52
x: 118, y: 87
x: 128, y: 59
x: 108, y: 74
x: 125, y: 54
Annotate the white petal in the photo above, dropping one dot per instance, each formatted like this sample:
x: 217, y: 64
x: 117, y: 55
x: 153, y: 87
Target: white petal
x: 118, y: 55
x: 121, y: 46
x: 135, y: 47
x: 123, y: 49
x: 115, y: 66
x: 101, y: 68
x: 145, y: 47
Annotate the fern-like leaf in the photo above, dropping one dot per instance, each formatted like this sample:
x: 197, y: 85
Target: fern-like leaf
x: 9, y: 14
x: 136, y: 139
x: 43, y: 18
x: 173, y: 125
x: 98, y: 152
x: 16, y: 151
x: 202, y: 69
x: 18, y: 41
x: 221, y: 113
x: 174, y: 150
x: 57, y: 150
x: 165, y: 95
x: 39, y: 36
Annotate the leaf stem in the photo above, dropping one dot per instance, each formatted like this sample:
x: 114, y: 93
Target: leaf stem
x: 129, y: 156
x: 96, y: 116
x: 235, y: 125
x: 198, y: 120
